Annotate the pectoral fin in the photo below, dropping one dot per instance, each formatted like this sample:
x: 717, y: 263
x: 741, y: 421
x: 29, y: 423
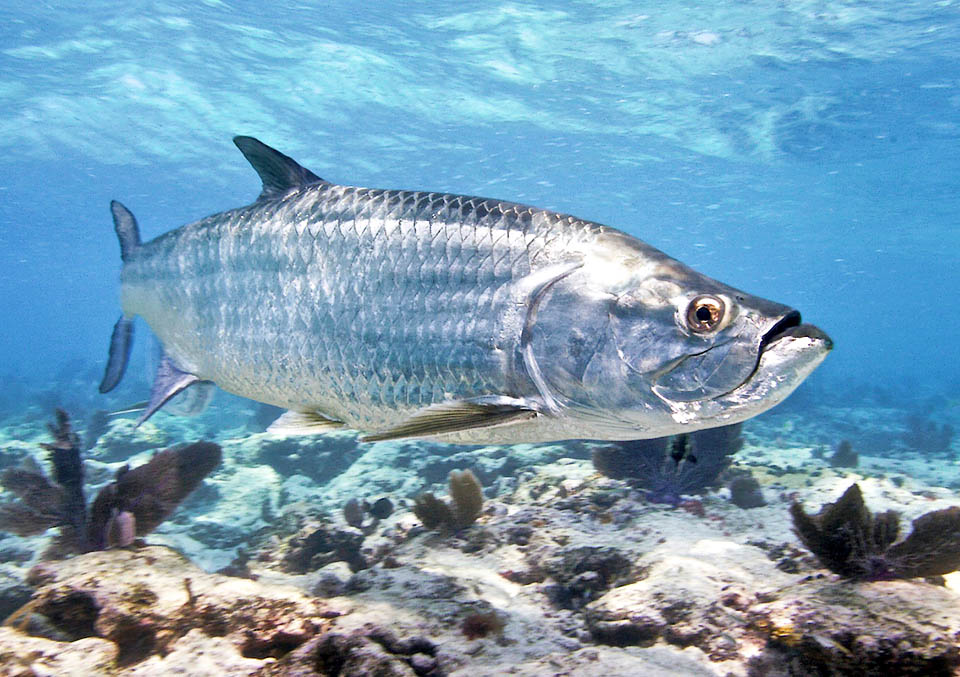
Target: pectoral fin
x: 458, y: 416
x: 303, y: 423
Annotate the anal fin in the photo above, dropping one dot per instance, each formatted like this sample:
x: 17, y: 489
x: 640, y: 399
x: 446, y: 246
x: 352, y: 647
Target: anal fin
x: 458, y: 416
x: 169, y: 381
x: 303, y: 423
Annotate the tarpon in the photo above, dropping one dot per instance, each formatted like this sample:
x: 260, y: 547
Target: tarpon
x: 403, y: 313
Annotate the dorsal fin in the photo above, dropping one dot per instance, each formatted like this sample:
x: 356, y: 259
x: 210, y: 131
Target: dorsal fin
x: 278, y: 172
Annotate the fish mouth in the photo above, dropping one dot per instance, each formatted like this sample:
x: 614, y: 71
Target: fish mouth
x: 792, y: 326
x: 787, y: 353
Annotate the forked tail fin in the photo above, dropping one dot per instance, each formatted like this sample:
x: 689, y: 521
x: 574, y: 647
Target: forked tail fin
x: 121, y: 341
x: 128, y: 232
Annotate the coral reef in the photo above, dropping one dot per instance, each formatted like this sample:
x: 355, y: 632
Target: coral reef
x: 359, y: 654
x: 466, y: 502
x: 43, y: 504
x: 25, y: 656
x: 889, y: 628
x: 134, y: 504
x: 355, y: 510
x: 97, y: 424
x: 316, y: 546
x: 568, y: 572
x: 583, y: 573
x: 138, y: 500
x: 124, y: 438
x: 381, y: 508
x: 479, y: 625
x: 670, y: 467
x: 105, y: 595
x: 852, y: 542
x: 302, y: 455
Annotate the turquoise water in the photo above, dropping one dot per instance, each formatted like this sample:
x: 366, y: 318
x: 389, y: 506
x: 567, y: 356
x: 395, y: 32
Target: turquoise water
x: 803, y: 151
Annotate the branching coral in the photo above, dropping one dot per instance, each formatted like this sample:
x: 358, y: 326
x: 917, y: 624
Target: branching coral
x: 466, y: 494
x: 43, y: 503
x: 669, y: 467
x: 134, y: 504
x: 852, y: 542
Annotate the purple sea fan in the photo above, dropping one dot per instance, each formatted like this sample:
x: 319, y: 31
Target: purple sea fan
x: 670, y: 467
x: 134, y: 504
x: 147, y: 494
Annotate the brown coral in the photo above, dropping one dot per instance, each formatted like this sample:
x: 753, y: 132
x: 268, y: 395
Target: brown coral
x: 854, y: 543
x: 466, y: 494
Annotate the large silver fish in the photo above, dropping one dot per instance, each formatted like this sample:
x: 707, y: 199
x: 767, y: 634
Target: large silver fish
x: 412, y: 314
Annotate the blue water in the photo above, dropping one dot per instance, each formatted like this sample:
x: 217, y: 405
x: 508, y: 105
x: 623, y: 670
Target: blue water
x: 807, y: 152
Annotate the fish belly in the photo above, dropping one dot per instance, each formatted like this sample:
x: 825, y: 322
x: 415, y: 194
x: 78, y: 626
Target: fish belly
x: 364, y: 305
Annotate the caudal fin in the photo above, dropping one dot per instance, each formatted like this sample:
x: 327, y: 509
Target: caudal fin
x: 128, y: 232
x: 121, y: 341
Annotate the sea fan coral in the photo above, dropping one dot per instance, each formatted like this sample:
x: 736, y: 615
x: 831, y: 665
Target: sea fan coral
x: 43, y: 503
x: 134, y: 504
x: 669, y: 467
x: 844, y: 456
x: 927, y: 436
x: 148, y: 493
x: 852, y: 542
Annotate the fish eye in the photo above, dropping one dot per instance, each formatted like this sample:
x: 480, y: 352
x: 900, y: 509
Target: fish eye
x: 704, y: 313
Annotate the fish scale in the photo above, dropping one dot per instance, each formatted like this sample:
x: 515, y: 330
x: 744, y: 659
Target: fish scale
x: 286, y: 311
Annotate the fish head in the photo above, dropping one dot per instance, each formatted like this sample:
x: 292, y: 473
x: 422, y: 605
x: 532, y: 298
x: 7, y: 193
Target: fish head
x: 651, y: 347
